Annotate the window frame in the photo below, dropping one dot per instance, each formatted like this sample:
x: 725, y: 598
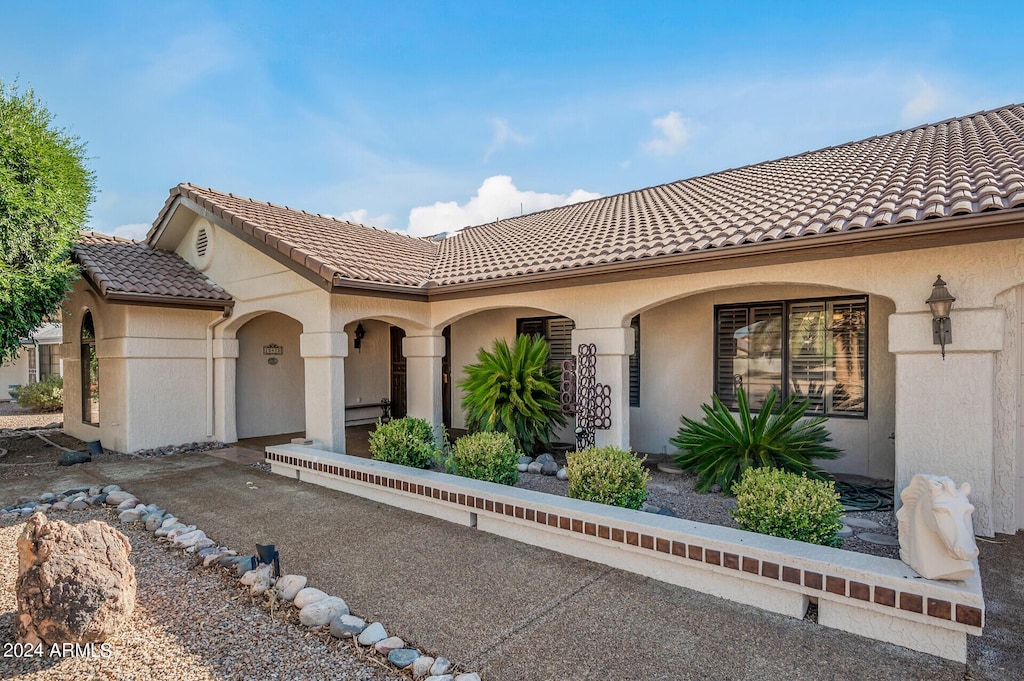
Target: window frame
x: 785, y: 358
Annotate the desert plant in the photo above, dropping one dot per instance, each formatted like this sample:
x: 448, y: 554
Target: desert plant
x: 493, y: 457
x: 46, y: 394
x: 509, y: 390
x: 720, y: 447
x: 773, y: 501
x: 407, y: 441
x: 607, y: 475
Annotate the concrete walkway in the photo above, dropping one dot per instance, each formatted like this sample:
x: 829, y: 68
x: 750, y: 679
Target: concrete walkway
x: 520, y: 613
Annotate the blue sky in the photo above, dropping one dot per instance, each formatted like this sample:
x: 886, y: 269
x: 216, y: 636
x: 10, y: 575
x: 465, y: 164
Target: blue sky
x: 434, y: 115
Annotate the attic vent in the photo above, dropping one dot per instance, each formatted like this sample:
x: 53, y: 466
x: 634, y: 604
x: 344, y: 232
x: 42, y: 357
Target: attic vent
x: 202, y: 242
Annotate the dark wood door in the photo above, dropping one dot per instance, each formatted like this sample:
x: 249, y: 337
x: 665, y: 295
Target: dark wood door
x: 399, y: 376
x: 446, y: 378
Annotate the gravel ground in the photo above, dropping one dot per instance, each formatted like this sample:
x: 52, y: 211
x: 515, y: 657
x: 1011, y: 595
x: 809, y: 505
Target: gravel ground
x: 12, y: 415
x: 190, y: 623
x: 676, y: 492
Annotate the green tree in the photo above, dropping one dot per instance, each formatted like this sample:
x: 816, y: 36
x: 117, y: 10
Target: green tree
x: 45, y: 192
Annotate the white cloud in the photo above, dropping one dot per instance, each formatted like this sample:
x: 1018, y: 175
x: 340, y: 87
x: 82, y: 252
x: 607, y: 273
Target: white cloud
x: 926, y: 99
x: 186, y: 60
x: 135, y: 230
x: 363, y: 217
x: 496, y: 198
x: 672, y: 135
x: 503, y: 136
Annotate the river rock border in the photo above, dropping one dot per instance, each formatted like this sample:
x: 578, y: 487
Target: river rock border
x: 317, y: 610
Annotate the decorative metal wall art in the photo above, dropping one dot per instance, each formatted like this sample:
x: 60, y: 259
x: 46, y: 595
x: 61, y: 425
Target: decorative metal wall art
x: 583, y: 396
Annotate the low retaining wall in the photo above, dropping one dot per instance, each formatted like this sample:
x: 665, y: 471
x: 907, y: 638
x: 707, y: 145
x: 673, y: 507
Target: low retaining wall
x: 874, y: 597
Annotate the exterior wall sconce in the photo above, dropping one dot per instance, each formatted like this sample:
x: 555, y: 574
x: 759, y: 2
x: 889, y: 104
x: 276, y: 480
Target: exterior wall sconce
x: 360, y: 335
x: 941, y: 302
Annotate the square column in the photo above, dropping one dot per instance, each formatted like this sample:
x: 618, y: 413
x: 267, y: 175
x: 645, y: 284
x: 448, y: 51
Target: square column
x: 614, y: 346
x: 225, y: 354
x: 324, y: 354
x: 423, y: 356
x: 945, y: 409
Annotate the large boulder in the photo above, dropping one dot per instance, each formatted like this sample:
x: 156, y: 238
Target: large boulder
x: 75, y: 583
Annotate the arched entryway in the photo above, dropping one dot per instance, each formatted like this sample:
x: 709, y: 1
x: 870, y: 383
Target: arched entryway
x: 90, y: 366
x: 270, y: 377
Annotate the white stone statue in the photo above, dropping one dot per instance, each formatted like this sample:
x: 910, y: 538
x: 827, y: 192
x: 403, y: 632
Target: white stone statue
x: 935, y: 528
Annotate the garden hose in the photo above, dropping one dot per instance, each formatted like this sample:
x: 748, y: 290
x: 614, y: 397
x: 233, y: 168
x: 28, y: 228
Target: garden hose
x: 865, y: 497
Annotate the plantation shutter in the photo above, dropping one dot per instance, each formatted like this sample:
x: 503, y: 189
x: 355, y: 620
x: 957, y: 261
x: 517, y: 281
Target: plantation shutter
x: 730, y: 321
x: 533, y: 326
x: 848, y: 350
x: 557, y: 331
x: 807, y: 362
x: 634, y: 365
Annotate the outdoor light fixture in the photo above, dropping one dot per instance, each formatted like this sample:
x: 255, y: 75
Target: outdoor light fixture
x: 360, y: 335
x: 941, y: 302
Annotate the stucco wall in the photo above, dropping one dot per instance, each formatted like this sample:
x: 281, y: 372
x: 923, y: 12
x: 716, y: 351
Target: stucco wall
x: 367, y: 371
x: 677, y: 366
x: 270, y: 398
x: 13, y: 373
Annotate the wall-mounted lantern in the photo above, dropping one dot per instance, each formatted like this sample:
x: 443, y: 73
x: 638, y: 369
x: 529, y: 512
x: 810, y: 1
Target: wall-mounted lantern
x: 941, y: 302
x: 360, y: 335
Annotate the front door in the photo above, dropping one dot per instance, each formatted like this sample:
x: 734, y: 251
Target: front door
x: 399, y: 377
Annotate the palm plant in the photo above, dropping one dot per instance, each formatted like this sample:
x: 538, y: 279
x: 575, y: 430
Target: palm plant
x: 509, y: 390
x: 719, y: 448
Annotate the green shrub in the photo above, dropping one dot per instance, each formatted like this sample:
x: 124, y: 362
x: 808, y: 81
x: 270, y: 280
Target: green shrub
x: 720, y: 447
x: 45, y: 395
x: 509, y: 390
x: 607, y: 475
x: 772, y: 501
x: 493, y: 457
x: 407, y: 441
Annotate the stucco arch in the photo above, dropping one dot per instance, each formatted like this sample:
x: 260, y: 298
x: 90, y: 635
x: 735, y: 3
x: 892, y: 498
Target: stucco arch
x: 269, y: 376
x: 540, y: 311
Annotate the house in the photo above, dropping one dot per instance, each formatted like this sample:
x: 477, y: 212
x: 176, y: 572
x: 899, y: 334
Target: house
x: 237, y: 318
x: 38, y: 358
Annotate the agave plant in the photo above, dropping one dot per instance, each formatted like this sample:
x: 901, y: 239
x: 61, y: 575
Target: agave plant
x: 509, y: 390
x: 719, y: 448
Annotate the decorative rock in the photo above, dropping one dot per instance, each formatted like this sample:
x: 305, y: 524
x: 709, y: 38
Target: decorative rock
x: 175, y: 531
x: 308, y: 595
x: 549, y: 468
x: 184, y: 539
x: 322, y: 611
x: 248, y: 579
x: 60, y: 506
x: 163, y: 531
x: 129, y: 516
x: 71, y: 491
x: 545, y: 458
x: 264, y: 578
x: 402, y: 657
x: 202, y: 543
x: 94, y: 490
x: 97, y: 500
x: 442, y: 677
x: 153, y: 521
x: 216, y: 557
x: 78, y: 505
x: 879, y: 539
x: 72, y: 458
x: 372, y: 634
x: 346, y: 626
x: 126, y: 504
x: 441, y: 666
x: 385, y: 646
x: 290, y: 585
x: 117, y: 496
x: 670, y: 468
x: 168, y: 521
x: 522, y: 467
x: 421, y: 666
x: 534, y: 467
x: 110, y: 488
x: 76, y: 584
x: 862, y: 523
x: 562, y: 474
x: 47, y: 497
x: 231, y: 559
x: 468, y: 677
x: 244, y: 564
x: 525, y: 459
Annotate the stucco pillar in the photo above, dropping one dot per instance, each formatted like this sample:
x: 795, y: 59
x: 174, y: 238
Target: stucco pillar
x: 614, y: 346
x: 324, y: 354
x: 423, y: 356
x: 945, y: 408
x: 225, y: 354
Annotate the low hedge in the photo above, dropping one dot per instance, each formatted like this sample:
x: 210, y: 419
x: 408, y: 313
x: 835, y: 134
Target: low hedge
x: 493, y: 457
x: 607, y: 475
x: 406, y: 441
x: 773, y: 501
x: 45, y: 395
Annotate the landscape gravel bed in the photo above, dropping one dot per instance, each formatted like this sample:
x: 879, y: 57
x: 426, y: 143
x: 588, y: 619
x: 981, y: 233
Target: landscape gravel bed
x: 13, y: 415
x: 189, y: 624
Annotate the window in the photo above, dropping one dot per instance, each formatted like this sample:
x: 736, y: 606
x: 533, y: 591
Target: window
x: 90, y: 366
x: 557, y: 331
x: 49, y: 360
x: 815, y: 349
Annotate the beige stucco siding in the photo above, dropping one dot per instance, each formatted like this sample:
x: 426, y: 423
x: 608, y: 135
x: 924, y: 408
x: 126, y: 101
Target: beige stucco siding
x: 270, y: 394
x: 14, y: 372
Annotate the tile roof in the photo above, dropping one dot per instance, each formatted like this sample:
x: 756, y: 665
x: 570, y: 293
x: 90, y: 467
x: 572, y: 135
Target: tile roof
x: 958, y: 167
x: 961, y: 166
x: 126, y: 270
x: 334, y: 249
